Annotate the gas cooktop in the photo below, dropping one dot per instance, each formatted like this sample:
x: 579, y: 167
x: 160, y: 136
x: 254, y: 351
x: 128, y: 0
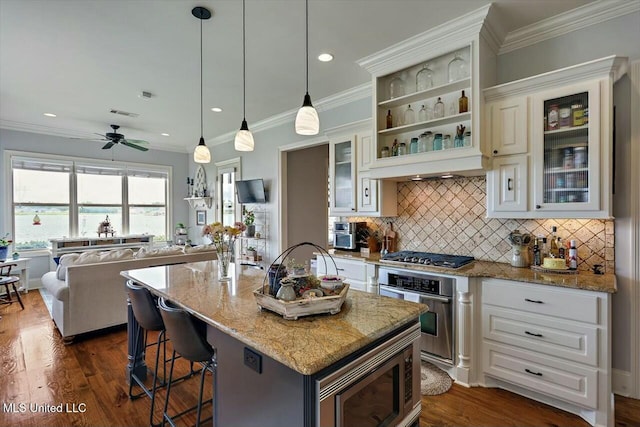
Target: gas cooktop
x: 426, y: 258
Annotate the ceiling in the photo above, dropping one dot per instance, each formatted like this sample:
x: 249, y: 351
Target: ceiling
x: 81, y: 59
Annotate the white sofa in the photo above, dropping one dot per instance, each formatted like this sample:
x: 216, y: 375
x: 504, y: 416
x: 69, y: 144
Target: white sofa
x: 88, y: 292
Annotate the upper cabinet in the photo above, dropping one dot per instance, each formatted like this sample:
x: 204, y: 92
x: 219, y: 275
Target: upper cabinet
x: 427, y: 98
x: 562, y: 123
x: 352, y: 190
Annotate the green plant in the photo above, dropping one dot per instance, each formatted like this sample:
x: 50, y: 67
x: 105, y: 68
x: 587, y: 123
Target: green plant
x: 249, y: 217
x: 250, y: 248
x: 5, y: 241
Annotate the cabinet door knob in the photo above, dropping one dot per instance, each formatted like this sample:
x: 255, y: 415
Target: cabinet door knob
x: 495, y: 151
x: 538, y: 206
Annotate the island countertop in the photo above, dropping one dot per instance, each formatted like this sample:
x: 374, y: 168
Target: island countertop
x: 306, y: 345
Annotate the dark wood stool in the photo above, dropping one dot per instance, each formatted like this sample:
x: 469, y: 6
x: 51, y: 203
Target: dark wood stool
x: 9, y: 281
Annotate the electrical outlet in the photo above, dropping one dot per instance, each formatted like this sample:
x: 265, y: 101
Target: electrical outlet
x: 253, y: 360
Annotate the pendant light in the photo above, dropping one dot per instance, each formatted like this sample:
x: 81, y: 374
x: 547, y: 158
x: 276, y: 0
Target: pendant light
x: 201, y: 154
x: 244, y: 138
x: 307, y: 121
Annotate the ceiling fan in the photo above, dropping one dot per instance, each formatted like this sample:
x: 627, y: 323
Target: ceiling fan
x: 118, y: 138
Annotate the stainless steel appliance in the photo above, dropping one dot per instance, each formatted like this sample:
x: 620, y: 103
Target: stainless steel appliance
x: 427, y: 258
x: 346, y: 235
x: 437, y: 325
x: 379, y: 388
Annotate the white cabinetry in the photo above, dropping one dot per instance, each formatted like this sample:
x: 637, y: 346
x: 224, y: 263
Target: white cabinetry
x: 548, y: 343
x: 354, y: 271
x: 561, y: 120
x: 453, y: 61
x: 352, y: 191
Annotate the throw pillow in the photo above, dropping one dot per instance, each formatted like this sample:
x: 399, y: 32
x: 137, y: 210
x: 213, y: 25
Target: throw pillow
x: 199, y: 248
x: 65, y: 261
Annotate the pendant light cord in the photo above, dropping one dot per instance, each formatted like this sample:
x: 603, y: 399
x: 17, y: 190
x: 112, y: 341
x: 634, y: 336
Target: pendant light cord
x: 306, y: 10
x: 201, y: 102
x: 244, y: 69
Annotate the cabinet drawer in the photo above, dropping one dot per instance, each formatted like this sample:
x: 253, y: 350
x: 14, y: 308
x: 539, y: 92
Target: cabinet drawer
x: 546, y: 300
x: 547, y: 335
x: 349, y: 269
x: 564, y: 380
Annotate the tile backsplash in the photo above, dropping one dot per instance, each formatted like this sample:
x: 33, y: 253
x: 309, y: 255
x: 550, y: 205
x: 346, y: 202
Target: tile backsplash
x: 449, y: 216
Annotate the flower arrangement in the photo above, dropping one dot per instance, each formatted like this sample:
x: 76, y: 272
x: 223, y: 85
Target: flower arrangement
x: 223, y: 238
x: 5, y: 241
x: 249, y: 217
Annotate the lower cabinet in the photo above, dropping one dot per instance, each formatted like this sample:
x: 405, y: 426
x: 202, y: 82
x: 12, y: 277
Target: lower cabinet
x: 551, y: 343
x: 354, y: 271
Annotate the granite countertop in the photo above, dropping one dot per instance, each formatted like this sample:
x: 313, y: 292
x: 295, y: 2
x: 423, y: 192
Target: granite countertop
x: 498, y: 270
x: 306, y: 345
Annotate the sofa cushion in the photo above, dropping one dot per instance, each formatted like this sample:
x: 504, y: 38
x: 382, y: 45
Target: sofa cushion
x: 57, y: 288
x: 65, y: 261
x: 168, y: 251
x: 116, y: 255
x: 188, y: 249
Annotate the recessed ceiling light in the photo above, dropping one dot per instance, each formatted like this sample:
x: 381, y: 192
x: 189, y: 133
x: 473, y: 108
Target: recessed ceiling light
x: 325, y: 57
x: 50, y: 115
x: 417, y: 178
x: 165, y: 134
x: 216, y: 109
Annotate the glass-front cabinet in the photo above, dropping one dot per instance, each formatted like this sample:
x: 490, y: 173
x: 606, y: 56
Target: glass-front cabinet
x: 567, y: 149
x: 342, y: 173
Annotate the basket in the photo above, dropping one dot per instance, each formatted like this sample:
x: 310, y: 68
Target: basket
x: 292, y: 310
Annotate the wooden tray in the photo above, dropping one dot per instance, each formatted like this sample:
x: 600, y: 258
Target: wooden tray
x: 541, y: 269
x: 291, y: 310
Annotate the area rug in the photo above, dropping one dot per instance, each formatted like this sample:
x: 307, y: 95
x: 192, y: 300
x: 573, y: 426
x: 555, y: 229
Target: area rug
x: 433, y: 379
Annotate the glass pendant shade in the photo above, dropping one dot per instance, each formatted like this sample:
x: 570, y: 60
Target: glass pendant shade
x: 244, y: 138
x: 201, y: 154
x: 307, y: 121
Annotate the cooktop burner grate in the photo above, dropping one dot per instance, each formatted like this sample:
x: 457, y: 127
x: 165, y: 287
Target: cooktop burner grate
x: 427, y: 258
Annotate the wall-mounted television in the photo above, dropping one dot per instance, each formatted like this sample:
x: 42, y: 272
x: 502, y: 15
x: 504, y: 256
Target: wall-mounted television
x: 251, y: 191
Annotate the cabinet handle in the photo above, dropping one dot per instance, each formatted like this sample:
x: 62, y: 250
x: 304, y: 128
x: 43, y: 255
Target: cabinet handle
x: 533, y: 334
x: 509, y: 186
x: 495, y: 151
x: 538, y: 206
x: 532, y: 373
x: 340, y: 269
x: 534, y: 301
x: 366, y: 192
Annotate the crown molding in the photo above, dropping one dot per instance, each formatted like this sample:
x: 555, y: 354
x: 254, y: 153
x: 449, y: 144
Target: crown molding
x: 330, y: 102
x: 567, y: 22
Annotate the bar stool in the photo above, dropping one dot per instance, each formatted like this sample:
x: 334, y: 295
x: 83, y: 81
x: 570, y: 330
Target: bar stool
x: 148, y: 317
x: 9, y: 281
x: 188, y: 337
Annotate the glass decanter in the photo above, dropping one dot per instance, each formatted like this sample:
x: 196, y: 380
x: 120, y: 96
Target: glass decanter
x: 396, y: 87
x: 424, y: 78
x: 457, y: 68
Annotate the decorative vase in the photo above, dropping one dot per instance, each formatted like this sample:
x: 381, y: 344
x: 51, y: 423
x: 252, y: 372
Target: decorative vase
x: 275, y: 273
x: 251, y: 230
x: 4, y: 250
x: 286, y: 292
x: 225, y: 254
x: 519, y: 256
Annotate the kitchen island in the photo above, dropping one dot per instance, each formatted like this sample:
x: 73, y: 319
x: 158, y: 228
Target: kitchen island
x: 273, y: 371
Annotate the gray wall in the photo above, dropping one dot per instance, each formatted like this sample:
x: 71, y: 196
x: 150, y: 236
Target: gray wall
x: 45, y: 144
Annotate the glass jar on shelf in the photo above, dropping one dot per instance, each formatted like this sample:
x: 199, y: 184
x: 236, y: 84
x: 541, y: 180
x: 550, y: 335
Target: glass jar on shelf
x: 467, y: 139
x: 457, y: 69
x: 384, y: 152
x: 413, y: 146
x: 425, y: 142
x: 402, y: 149
x: 409, y: 116
x: 396, y: 87
x: 424, y: 78
x: 446, y: 142
x: 437, y: 142
x: 438, y: 109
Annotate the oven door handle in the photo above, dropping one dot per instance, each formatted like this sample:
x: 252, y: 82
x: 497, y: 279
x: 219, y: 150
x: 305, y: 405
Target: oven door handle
x: 415, y: 296
x: 444, y: 300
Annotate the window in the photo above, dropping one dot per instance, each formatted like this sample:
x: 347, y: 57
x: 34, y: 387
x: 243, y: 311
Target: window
x: 70, y: 198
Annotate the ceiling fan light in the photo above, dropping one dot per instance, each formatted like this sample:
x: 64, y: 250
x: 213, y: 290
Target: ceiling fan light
x: 307, y: 121
x: 244, y: 138
x: 201, y: 154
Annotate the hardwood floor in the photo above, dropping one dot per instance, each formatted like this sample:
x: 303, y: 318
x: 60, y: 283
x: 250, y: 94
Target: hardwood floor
x: 88, y: 376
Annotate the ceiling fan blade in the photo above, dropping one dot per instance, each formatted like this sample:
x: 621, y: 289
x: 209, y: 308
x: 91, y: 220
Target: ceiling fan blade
x: 108, y: 145
x: 137, y: 141
x: 129, y: 144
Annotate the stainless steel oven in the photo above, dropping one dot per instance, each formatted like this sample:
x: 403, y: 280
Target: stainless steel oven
x: 380, y: 388
x: 436, y: 325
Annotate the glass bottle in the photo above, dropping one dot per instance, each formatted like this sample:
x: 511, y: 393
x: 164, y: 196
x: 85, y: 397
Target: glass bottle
x: 553, y: 243
x: 413, y: 146
x: 402, y: 149
x: 438, y: 110
x: 409, y: 116
x: 389, y: 119
x: 424, y: 78
x: 425, y: 143
x: 446, y: 142
x: 423, y: 116
x: 467, y: 139
x: 457, y: 68
x: 437, y: 142
x: 463, y: 103
x: 458, y: 141
x: 396, y: 87
x: 394, y: 148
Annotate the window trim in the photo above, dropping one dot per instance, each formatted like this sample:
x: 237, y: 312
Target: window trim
x: 125, y: 167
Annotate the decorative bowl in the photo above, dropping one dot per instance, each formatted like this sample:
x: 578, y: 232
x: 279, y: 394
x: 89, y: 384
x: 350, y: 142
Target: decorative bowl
x: 330, y: 282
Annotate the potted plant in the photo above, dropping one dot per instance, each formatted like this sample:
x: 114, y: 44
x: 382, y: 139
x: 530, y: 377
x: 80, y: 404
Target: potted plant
x: 252, y: 253
x: 4, y: 247
x: 249, y: 219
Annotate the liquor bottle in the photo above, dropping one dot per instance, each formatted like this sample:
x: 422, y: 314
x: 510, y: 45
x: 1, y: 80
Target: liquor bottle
x: 463, y: 103
x: 553, y: 243
x: 537, y: 259
x: 573, y: 256
x: 561, y: 249
x: 394, y: 148
x: 389, y: 120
